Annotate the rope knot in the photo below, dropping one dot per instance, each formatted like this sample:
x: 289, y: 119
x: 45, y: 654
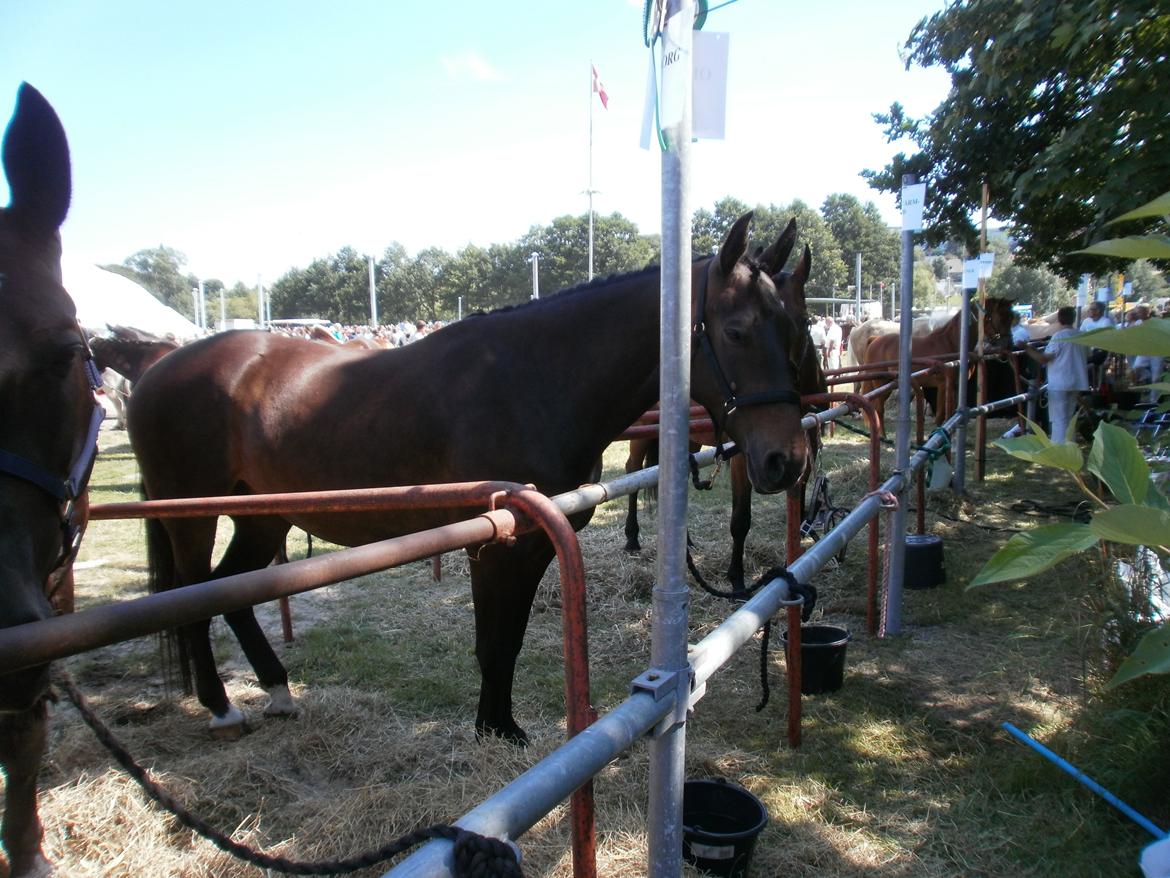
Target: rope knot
x: 481, y: 856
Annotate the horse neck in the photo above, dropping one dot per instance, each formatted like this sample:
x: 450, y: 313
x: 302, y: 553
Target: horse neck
x: 596, y: 350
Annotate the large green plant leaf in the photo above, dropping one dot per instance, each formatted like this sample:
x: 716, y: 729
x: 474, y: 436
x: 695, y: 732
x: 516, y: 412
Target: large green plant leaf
x: 1031, y: 552
x: 1135, y: 247
x: 1116, y: 459
x: 1132, y: 524
x: 1152, y: 656
x: 1160, y: 206
x: 1152, y: 338
x: 1036, y: 447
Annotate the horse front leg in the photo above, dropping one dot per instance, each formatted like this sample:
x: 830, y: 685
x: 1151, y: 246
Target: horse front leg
x: 741, y: 519
x: 634, y: 462
x: 22, y: 746
x: 503, y: 585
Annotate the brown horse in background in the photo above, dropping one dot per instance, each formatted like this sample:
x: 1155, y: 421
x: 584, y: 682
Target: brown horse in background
x: 48, y: 438
x: 123, y: 359
x: 810, y: 379
x: 942, y: 343
x: 522, y: 394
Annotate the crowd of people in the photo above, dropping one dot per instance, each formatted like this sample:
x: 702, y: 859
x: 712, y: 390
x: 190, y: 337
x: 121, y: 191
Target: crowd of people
x: 393, y: 335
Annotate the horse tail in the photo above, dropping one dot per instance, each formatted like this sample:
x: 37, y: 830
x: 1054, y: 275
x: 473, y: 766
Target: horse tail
x: 160, y: 559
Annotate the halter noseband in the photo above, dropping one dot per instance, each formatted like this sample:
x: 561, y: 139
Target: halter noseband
x: 66, y: 491
x: 730, y: 400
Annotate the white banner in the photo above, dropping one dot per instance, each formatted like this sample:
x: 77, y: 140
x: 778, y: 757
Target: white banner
x: 913, y: 201
x: 709, y: 81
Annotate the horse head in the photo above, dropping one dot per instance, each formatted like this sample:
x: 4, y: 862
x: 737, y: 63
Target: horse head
x: 744, y: 375
x: 47, y: 408
x: 997, y: 323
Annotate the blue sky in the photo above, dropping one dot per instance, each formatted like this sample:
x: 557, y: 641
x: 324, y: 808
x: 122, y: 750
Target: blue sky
x: 255, y: 137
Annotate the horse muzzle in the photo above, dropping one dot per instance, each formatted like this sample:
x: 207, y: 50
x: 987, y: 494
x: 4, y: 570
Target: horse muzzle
x: 777, y: 469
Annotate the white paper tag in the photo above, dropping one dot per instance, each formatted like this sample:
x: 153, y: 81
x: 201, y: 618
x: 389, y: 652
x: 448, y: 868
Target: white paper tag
x: 710, y: 84
x: 971, y: 274
x: 713, y: 852
x: 677, y: 61
x: 913, y: 201
x: 986, y: 264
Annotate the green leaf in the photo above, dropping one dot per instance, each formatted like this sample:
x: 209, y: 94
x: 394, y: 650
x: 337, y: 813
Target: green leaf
x: 1116, y: 459
x: 1135, y: 247
x: 1160, y: 206
x: 1065, y: 456
x: 1152, y: 338
x: 1031, y: 552
x: 1133, y: 524
x: 1152, y: 656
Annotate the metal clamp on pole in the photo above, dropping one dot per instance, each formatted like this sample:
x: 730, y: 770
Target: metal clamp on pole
x: 661, y: 684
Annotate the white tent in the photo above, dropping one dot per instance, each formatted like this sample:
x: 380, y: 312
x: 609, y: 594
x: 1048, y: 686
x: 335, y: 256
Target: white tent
x: 107, y: 299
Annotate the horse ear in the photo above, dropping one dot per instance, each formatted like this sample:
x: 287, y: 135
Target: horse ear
x: 803, y: 267
x: 775, y: 256
x: 735, y: 244
x: 36, y: 164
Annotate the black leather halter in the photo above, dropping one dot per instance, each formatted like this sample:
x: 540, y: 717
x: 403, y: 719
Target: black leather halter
x: 730, y: 400
x: 67, y: 490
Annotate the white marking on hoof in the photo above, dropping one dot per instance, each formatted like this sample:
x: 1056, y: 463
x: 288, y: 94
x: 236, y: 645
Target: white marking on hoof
x: 280, y: 702
x: 229, y: 727
x: 39, y: 868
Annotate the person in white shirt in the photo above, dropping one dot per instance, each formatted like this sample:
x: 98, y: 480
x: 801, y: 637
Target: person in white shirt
x: 832, y: 344
x: 1068, y: 372
x: 1097, y: 319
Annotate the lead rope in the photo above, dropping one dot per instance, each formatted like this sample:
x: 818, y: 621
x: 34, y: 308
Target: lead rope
x: 476, y: 856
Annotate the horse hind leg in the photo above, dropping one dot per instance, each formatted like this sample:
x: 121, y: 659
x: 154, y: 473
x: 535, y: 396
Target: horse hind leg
x: 255, y: 542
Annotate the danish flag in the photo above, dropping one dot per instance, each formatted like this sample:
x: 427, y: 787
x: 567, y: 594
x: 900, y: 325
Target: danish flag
x: 600, y: 89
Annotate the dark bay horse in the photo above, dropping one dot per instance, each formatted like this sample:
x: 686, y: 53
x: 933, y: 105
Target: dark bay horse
x: 531, y: 394
x: 48, y: 433
x: 810, y: 379
x: 943, y: 343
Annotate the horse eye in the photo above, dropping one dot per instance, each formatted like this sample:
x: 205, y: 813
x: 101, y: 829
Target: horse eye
x: 63, y: 359
x: 735, y: 336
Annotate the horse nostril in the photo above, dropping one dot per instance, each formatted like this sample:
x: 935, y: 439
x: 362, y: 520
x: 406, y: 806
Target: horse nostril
x: 775, y: 465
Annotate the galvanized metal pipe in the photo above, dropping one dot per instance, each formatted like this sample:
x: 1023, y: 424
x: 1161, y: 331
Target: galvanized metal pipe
x: 960, y: 474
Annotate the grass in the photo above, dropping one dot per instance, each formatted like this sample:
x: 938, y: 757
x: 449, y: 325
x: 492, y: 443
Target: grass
x: 903, y: 772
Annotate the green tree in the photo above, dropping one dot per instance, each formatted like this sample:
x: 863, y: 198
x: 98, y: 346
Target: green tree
x: 1148, y: 282
x: 1060, y: 108
x: 1042, y: 288
x: 859, y: 228
x: 710, y: 227
x: 160, y: 270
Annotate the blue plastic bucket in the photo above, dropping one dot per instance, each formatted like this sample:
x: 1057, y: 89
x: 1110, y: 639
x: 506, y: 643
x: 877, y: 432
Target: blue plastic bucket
x: 720, y: 824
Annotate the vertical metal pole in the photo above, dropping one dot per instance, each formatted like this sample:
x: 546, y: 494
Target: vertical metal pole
x: 592, y: 79
x: 668, y: 650
x: 959, y: 448
x: 202, y: 308
x: 373, y: 296
x: 981, y: 367
x: 259, y: 303
x: 535, y: 260
x: 897, y: 541
x: 460, y: 312
x: 222, y: 310
x: 857, y: 314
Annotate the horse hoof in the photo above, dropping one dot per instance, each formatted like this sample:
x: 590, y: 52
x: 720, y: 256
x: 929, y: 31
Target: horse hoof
x: 633, y: 547
x: 229, y: 727
x: 513, y: 734
x: 280, y: 703
x: 36, y: 867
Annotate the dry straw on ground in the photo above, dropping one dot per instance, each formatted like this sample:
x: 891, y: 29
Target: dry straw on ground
x: 896, y: 776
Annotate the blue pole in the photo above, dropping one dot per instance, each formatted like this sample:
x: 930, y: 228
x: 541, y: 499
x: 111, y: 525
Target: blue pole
x: 1089, y: 782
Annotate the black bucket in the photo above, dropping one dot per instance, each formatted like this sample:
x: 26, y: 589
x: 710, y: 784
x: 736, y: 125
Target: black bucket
x: 822, y: 657
x: 924, y: 561
x: 720, y: 824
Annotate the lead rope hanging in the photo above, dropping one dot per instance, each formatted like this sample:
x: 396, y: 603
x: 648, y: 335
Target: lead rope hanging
x: 476, y: 856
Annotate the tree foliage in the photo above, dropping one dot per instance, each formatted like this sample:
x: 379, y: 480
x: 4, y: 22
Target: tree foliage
x: 160, y: 270
x: 1059, y: 107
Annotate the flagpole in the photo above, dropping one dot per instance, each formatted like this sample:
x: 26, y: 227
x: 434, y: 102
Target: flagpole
x: 592, y: 87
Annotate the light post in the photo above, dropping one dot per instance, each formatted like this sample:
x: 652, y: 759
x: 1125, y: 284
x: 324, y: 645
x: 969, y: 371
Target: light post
x: 534, y: 259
